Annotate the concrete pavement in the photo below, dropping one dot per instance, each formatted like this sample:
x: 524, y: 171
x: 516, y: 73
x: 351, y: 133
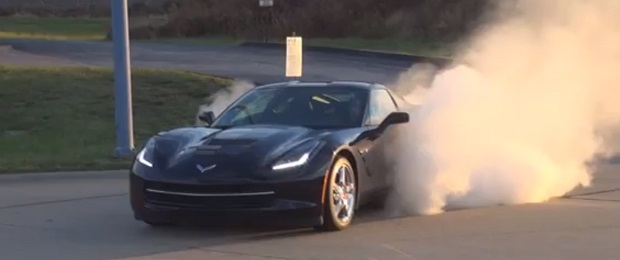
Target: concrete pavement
x: 87, y: 216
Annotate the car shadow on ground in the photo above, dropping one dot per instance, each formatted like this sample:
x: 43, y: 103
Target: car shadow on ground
x: 216, y: 235
x: 250, y: 230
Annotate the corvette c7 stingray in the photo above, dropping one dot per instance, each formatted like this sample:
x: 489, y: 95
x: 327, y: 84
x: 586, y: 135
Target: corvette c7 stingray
x: 301, y: 152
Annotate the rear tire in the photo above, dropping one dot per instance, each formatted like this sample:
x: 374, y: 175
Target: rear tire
x: 340, y: 196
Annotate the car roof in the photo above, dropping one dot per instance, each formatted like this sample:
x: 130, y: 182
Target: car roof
x: 293, y: 84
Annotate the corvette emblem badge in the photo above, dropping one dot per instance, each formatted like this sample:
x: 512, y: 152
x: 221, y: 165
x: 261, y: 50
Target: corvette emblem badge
x: 204, y: 169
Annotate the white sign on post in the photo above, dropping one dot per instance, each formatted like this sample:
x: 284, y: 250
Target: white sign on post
x: 265, y: 3
x: 294, y: 56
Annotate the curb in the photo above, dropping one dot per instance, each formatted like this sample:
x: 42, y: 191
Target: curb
x: 371, y: 54
x: 4, y: 47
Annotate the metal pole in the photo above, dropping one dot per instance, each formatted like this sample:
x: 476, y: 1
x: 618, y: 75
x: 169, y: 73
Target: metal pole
x: 268, y: 25
x: 267, y: 28
x: 122, y: 80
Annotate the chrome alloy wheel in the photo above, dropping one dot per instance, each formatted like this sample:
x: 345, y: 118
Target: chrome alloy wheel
x: 343, y: 193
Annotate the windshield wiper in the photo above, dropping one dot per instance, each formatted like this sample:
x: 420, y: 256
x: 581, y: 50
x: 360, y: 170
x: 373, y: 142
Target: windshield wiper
x: 223, y: 127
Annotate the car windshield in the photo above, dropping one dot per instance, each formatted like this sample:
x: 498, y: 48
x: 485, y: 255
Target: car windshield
x: 314, y: 107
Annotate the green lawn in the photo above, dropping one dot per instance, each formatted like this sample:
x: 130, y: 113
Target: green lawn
x: 53, y: 28
x: 63, y: 118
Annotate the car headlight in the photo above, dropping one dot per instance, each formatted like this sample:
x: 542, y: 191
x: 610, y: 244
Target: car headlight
x: 297, y: 156
x: 145, y: 155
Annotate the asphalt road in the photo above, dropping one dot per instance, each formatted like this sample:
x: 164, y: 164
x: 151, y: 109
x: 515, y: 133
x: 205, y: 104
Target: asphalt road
x: 250, y: 63
x: 87, y: 215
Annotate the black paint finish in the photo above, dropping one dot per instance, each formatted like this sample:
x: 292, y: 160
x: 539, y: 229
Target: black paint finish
x: 201, y: 171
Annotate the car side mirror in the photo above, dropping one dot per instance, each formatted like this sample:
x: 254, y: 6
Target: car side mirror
x: 394, y: 118
x: 207, y: 117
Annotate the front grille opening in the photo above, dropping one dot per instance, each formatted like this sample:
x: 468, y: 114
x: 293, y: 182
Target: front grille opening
x: 210, y: 203
x: 222, y: 188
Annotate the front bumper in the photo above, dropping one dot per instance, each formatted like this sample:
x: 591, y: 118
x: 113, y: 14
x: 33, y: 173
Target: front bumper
x: 289, y: 203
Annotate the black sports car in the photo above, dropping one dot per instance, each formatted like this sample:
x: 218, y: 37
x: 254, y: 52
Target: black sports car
x: 299, y: 152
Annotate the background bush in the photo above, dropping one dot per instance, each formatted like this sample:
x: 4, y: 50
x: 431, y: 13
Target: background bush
x: 427, y: 19
x: 434, y: 19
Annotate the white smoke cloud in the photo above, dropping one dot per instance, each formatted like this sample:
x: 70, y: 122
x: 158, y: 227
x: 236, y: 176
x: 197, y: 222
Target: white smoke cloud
x: 224, y: 97
x: 520, y: 122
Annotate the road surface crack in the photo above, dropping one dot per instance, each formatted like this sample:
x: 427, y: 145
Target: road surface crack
x: 590, y: 193
x: 240, y: 254
x: 595, y: 199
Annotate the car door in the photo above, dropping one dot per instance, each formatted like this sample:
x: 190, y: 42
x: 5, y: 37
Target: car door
x: 374, y: 150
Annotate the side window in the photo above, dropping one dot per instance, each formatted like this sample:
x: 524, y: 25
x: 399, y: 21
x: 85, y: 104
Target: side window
x: 381, y: 105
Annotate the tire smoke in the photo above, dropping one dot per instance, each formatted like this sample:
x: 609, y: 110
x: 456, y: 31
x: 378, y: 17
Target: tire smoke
x: 224, y: 97
x: 521, y: 117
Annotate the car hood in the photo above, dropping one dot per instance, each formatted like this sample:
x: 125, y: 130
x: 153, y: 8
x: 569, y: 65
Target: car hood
x: 226, y: 154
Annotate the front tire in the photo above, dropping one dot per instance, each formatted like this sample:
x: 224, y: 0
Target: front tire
x: 341, y: 196
x: 155, y: 223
